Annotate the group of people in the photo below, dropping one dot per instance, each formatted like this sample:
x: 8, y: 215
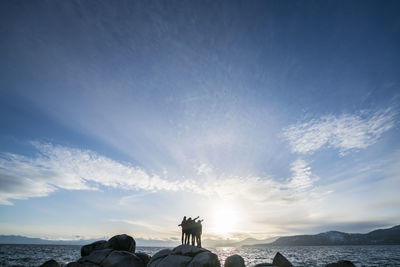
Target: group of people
x: 191, y: 229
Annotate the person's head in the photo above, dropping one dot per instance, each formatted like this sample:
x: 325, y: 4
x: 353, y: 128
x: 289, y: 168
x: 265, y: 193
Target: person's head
x: 190, y: 218
x: 184, y: 218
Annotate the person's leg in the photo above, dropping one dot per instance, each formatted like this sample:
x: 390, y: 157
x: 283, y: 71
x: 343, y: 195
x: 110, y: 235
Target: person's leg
x: 182, y: 236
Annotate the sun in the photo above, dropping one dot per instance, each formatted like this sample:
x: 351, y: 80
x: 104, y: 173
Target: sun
x: 225, y: 218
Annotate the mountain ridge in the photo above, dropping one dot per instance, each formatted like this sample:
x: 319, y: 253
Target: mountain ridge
x: 389, y: 236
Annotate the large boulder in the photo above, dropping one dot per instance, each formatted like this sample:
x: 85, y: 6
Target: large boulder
x: 122, y: 242
x: 234, y: 261
x: 264, y: 265
x: 50, y: 263
x: 96, y: 257
x: 341, y: 263
x: 112, y: 258
x: 98, y: 245
x: 121, y: 259
x: 281, y: 261
x: 145, y: 258
x: 184, y: 256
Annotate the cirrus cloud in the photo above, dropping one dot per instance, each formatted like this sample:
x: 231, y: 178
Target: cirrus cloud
x: 57, y: 167
x: 345, y: 133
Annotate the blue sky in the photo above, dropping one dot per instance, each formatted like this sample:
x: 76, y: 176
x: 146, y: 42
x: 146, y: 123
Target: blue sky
x: 264, y: 117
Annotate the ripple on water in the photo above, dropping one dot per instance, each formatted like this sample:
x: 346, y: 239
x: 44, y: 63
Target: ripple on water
x: 34, y: 255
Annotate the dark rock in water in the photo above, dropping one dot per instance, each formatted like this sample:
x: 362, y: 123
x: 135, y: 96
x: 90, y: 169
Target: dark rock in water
x: 281, y: 261
x: 122, y: 242
x: 234, y: 261
x: 122, y: 259
x: 50, y: 263
x: 98, y: 245
x: 341, y: 263
x: 145, y: 258
x: 264, y: 265
x: 184, y: 256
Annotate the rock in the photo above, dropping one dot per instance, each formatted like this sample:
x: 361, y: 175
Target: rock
x: 145, y: 258
x: 121, y: 259
x: 156, y: 258
x: 98, y: 245
x: 96, y: 257
x: 341, y: 263
x: 264, y: 265
x: 205, y: 259
x: 281, y: 261
x: 184, y: 256
x: 76, y: 264
x: 122, y: 242
x: 234, y: 261
x: 50, y: 263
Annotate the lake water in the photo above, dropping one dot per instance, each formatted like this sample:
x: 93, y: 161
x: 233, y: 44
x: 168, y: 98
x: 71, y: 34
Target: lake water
x: 34, y: 255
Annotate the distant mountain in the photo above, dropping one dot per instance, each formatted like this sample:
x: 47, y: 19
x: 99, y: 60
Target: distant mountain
x: 389, y: 236
x: 17, y: 239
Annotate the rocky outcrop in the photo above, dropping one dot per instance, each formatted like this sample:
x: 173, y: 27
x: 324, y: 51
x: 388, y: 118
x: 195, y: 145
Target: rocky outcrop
x: 341, y: 263
x: 87, y: 249
x: 118, y: 251
x: 122, y: 242
x: 184, y: 256
x: 234, y: 261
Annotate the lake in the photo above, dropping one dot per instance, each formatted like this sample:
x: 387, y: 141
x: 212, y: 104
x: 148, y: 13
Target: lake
x: 34, y: 255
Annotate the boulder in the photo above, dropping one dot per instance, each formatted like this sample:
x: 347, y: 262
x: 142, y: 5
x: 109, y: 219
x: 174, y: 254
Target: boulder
x: 121, y: 259
x: 234, y: 261
x: 145, y: 258
x: 264, y: 265
x: 50, y: 263
x: 122, y: 242
x: 76, y: 264
x: 112, y: 258
x: 341, y: 263
x: 98, y: 245
x: 96, y: 257
x: 159, y: 256
x: 184, y: 256
x: 281, y: 261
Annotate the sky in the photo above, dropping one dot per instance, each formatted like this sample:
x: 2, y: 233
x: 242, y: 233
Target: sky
x: 264, y: 118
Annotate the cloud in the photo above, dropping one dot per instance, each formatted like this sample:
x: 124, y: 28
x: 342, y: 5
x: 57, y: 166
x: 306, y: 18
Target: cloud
x: 345, y: 133
x: 57, y: 167
x: 302, y: 178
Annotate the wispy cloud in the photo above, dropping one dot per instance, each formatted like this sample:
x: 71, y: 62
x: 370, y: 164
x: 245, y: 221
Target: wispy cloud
x: 302, y: 178
x: 346, y: 132
x: 57, y: 167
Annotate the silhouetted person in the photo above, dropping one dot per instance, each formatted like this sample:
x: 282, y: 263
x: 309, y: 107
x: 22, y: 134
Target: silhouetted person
x: 184, y: 227
x: 198, y: 230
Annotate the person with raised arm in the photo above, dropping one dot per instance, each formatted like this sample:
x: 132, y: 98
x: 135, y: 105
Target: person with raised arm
x: 184, y: 228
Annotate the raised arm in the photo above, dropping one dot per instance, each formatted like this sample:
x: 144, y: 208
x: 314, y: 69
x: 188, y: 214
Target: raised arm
x: 196, y: 218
